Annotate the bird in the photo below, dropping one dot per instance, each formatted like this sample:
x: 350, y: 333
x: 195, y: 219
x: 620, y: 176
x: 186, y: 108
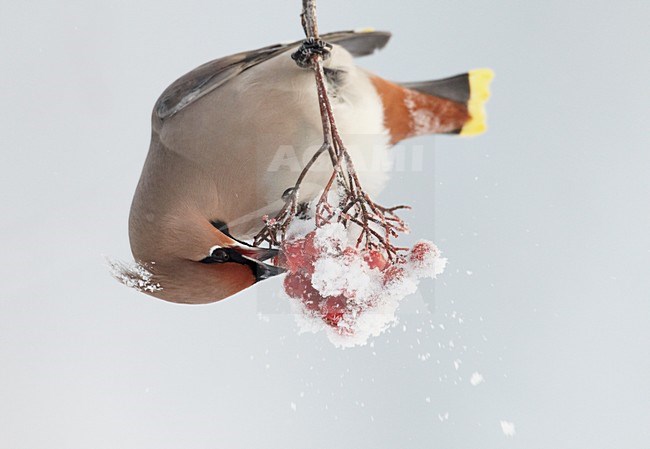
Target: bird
x: 230, y: 137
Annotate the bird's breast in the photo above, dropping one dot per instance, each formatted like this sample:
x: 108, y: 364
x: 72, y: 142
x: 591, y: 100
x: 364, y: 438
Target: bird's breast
x: 252, y: 137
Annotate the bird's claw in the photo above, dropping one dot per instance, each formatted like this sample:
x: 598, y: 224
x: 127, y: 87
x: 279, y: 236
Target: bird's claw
x: 310, y: 47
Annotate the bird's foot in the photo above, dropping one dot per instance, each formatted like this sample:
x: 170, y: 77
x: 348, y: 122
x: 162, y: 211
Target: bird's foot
x: 311, y: 47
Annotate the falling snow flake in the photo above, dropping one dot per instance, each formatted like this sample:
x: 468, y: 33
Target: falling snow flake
x: 508, y: 428
x: 476, y: 379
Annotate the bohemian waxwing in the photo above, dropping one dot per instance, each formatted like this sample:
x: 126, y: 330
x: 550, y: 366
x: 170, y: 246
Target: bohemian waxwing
x: 230, y: 137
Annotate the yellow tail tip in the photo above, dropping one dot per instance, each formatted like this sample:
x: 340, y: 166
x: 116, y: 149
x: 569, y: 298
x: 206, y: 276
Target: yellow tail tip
x: 479, y: 92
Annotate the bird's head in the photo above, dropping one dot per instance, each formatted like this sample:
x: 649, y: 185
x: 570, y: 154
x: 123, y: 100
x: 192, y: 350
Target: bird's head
x: 227, y: 267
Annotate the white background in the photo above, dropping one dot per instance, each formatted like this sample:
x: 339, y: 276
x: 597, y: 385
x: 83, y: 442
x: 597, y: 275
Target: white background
x: 544, y: 220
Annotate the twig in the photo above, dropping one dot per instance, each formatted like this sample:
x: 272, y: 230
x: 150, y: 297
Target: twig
x: 355, y: 206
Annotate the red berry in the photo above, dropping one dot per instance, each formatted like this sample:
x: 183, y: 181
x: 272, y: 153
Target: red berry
x: 350, y: 251
x: 298, y: 286
x: 422, y: 252
x: 375, y: 259
x: 294, y: 285
x: 333, y: 308
x: 300, y: 254
x: 310, y: 249
x: 293, y: 254
x: 393, y: 273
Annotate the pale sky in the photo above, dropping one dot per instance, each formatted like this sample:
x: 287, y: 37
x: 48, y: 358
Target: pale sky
x: 544, y: 221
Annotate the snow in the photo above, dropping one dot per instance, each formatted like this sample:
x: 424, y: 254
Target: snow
x: 508, y: 428
x: 133, y: 275
x: 476, y: 379
x: 367, y: 297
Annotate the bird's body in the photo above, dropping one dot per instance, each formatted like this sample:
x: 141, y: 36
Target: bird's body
x: 232, y: 136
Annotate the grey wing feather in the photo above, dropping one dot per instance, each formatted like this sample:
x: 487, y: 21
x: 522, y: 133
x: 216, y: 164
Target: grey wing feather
x: 209, y: 76
x: 359, y: 43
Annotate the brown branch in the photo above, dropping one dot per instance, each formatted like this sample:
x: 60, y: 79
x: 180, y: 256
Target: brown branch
x: 355, y: 205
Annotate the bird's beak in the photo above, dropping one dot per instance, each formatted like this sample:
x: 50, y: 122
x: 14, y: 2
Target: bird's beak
x: 263, y: 271
x: 247, y: 255
x: 256, y: 256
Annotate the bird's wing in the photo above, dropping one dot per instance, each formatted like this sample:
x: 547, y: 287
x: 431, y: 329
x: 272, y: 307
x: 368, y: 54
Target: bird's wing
x: 207, y: 77
x: 358, y: 43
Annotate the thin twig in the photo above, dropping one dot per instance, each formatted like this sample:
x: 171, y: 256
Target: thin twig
x: 355, y: 206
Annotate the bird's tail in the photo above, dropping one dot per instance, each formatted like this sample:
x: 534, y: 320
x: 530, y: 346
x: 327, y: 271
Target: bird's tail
x: 454, y: 105
x: 479, y: 81
x: 470, y: 90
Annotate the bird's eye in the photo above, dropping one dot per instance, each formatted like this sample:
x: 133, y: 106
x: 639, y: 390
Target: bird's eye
x: 226, y: 255
x: 220, y: 255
